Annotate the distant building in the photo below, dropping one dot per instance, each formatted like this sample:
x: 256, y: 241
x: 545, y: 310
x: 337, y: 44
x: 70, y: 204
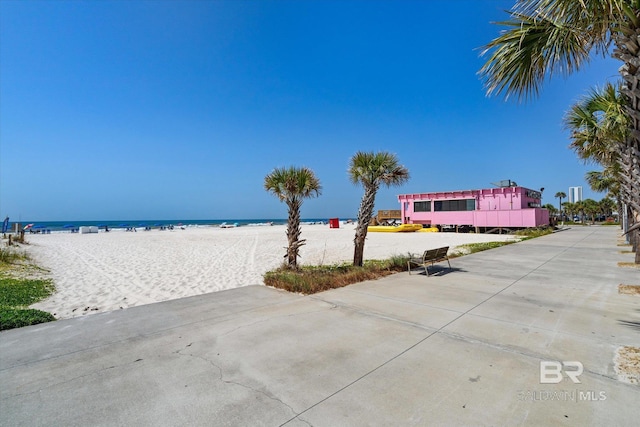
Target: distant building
x: 482, y: 210
x: 575, y: 194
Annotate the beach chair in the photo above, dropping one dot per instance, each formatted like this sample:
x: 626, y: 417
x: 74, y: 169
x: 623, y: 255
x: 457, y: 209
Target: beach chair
x: 429, y: 256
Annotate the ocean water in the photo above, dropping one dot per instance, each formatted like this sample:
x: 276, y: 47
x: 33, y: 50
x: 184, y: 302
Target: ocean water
x: 56, y: 226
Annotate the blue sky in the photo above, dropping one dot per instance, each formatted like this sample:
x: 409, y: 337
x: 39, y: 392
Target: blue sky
x: 178, y: 109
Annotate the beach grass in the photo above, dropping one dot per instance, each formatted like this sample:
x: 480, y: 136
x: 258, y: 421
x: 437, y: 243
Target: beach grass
x: 472, y: 248
x: 531, y: 233
x: 10, y: 257
x: 18, y: 293
x: 312, y: 279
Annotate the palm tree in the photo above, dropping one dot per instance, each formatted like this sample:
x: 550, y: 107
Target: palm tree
x: 546, y: 37
x: 600, y: 181
x: 580, y: 211
x: 560, y: 195
x: 552, y: 210
x: 607, y: 206
x: 599, y: 125
x: 571, y: 209
x: 372, y: 170
x: 591, y: 208
x: 292, y: 185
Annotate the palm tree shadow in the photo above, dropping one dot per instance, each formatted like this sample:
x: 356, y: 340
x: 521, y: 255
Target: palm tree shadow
x: 634, y: 324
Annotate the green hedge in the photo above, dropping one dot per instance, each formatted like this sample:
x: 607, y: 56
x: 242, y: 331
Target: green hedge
x: 16, y: 295
x: 18, y: 317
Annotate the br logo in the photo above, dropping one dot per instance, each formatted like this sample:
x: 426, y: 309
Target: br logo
x: 551, y: 371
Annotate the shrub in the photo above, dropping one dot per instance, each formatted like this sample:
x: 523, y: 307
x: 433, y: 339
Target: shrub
x: 23, y: 292
x: 16, y: 295
x: 18, y: 317
x: 311, y: 279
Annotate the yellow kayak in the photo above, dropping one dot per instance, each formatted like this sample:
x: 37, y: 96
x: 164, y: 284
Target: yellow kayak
x: 402, y: 228
x: 429, y: 230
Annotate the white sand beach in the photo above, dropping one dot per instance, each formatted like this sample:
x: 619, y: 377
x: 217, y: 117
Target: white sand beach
x: 101, y: 272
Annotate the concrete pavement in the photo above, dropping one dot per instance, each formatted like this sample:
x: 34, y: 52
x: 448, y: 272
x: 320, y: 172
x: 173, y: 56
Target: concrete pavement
x: 460, y: 347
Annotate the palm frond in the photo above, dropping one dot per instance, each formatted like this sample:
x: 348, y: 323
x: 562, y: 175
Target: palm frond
x: 547, y: 37
x: 530, y: 50
x: 373, y: 169
x: 598, y: 124
x: 595, y: 18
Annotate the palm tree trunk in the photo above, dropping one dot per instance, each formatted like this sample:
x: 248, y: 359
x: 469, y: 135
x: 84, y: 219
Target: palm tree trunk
x: 628, y: 51
x: 364, y: 217
x: 560, y: 209
x: 293, y: 234
x: 620, y: 213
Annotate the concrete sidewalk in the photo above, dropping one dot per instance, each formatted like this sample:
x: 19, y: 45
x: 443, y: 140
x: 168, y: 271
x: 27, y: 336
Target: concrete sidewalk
x: 461, y: 347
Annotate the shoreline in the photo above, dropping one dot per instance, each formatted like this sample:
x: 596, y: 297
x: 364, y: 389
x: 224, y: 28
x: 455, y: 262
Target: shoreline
x: 46, y: 227
x: 100, y: 272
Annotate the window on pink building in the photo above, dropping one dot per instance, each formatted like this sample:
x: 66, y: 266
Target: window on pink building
x: 454, y: 205
x: 422, y: 206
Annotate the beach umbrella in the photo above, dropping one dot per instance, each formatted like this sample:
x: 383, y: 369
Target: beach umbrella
x: 68, y: 226
x: 28, y: 226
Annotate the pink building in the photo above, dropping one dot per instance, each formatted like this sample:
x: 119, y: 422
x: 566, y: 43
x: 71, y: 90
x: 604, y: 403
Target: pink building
x: 504, y: 207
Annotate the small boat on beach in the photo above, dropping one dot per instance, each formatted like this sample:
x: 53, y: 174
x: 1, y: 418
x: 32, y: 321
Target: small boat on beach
x: 225, y: 225
x: 402, y: 228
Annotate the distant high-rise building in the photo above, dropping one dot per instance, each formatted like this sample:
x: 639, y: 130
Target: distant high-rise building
x: 575, y: 194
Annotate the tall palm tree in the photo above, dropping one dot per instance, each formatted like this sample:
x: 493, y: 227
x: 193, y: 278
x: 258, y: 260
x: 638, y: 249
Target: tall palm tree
x: 571, y: 209
x: 546, y: 37
x: 560, y: 195
x: 292, y: 185
x: 604, y: 182
x: 372, y: 170
x: 607, y: 206
x: 591, y: 208
x: 579, y: 206
x: 599, y: 125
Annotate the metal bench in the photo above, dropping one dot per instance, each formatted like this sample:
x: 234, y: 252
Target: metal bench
x: 429, y: 256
